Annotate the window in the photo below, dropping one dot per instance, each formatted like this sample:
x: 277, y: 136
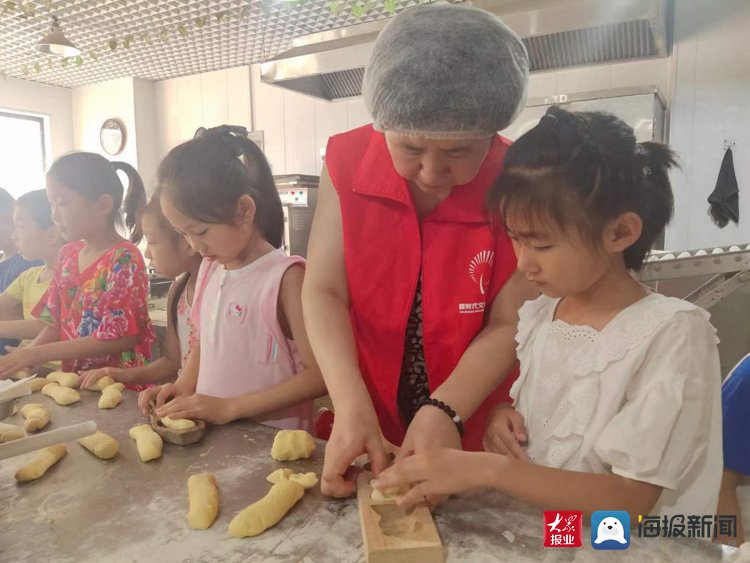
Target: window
x: 23, y: 158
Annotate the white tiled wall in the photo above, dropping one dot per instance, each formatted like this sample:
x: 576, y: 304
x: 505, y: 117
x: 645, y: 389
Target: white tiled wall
x: 201, y: 100
x: 296, y: 127
x: 709, y: 104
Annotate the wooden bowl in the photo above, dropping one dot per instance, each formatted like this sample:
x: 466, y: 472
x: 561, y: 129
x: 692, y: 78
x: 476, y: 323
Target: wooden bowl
x: 178, y: 437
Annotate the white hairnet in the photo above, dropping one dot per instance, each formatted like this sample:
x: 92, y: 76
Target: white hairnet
x: 445, y: 71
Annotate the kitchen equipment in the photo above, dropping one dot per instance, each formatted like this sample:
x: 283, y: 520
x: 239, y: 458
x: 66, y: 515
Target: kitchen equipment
x: 299, y: 197
x: 51, y: 438
x: 9, y: 392
x: 178, y: 437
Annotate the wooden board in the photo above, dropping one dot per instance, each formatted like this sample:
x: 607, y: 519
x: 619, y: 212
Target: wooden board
x: 395, y: 535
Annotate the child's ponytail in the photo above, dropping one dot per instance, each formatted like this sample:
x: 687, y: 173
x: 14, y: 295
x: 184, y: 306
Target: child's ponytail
x: 92, y: 176
x: 206, y: 176
x: 134, y: 202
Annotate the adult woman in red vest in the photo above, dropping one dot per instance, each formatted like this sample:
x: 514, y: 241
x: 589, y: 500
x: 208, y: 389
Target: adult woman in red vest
x: 410, y: 295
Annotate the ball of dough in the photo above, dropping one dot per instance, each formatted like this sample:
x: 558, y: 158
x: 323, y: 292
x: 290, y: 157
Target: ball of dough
x: 38, y: 383
x: 101, y: 445
x: 45, y: 459
x: 204, y: 501
x: 64, y: 378
x: 61, y: 395
x: 148, y: 442
x: 111, y: 396
x: 307, y: 480
x: 268, y: 511
x: 37, y: 417
x: 391, y: 493
x: 291, y: 445
x: 178, y: 423
x: 101, y: 383
x: 279, y: 474
x: 10, y: 432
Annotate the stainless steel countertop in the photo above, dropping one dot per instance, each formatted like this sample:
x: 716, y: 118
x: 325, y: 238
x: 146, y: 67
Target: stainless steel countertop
x: 86, y: 509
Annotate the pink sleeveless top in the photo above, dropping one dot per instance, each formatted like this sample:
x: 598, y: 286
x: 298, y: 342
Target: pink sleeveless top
x: 243, y: 349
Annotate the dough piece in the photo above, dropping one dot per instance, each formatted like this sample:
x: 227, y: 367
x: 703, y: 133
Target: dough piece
x: 102, y: 383
x: 291, y: 445
x: 10, y: 432
x: 268, y: 511
x: 111, y: 396
x: 21, y: 374
x: 61, y: 395
x: 64, y: 378
x: 37, y: 417
x: 38, y: 383
x: 204, y: 501
x: 307, y: 480
x: 391, y: 493
x: 178, y: 423
x: 101, y: 445
x: 149, y: 442
x: 45, y: 459
x: 279, y: 474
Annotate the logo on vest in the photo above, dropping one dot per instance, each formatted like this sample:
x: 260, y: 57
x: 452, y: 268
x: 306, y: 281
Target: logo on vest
x: 480, y: 268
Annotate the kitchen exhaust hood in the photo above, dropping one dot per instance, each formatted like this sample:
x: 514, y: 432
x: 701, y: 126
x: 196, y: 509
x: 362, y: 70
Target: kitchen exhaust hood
x: 557, y: 33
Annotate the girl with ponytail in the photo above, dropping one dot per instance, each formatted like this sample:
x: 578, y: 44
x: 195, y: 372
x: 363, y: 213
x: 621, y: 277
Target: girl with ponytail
x: 617, y: 406
x: 251, y: 357
x: 95, y: 310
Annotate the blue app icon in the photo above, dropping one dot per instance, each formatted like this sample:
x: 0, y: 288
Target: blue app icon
x: 610, y: 529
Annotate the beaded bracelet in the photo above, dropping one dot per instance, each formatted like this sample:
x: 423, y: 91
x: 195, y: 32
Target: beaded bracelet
x: 429, y: 401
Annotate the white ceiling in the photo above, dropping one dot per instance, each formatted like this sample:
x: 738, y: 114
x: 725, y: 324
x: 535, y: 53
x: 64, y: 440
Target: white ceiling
x: 215, y: 34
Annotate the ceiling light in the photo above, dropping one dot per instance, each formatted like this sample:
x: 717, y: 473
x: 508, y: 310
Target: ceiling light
x: 55, y: 43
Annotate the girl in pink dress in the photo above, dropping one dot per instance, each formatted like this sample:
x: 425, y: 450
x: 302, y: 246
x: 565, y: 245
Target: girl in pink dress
x: 252, y: 358
x: 95, y: 310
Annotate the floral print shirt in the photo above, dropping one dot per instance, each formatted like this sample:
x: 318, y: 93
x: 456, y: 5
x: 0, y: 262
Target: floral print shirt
x: 107, y: 300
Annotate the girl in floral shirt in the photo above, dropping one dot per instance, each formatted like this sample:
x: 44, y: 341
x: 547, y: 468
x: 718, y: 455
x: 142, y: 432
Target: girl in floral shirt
x: 95, y: 310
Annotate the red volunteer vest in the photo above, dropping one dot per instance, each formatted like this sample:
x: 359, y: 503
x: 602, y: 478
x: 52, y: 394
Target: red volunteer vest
x: 464, y: 264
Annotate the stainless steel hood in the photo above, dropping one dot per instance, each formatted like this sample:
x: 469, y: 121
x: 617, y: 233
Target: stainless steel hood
x: 557, y: 33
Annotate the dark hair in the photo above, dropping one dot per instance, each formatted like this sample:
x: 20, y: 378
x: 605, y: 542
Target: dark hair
x: 206, y: 176
x: 37, y: 204
x: 6, y: 202
x: 583, y: 170
x: 153, y: 209
x: 92, y: 176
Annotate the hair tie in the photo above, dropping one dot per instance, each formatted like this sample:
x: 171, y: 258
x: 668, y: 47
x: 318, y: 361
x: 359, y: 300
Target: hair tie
x: 231, y: 137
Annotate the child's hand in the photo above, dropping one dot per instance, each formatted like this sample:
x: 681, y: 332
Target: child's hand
x: 430, y: 429
x: 17, y: 359
x: 506, y: 432
x: 159, y: 395
x: 90, y: 377
x: 203, y: 407
x: 436, y: 472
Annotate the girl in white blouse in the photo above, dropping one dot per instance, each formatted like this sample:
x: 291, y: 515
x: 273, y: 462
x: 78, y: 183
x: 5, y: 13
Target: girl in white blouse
x: 617, y: 406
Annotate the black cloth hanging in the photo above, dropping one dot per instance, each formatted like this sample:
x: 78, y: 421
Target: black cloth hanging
x: 725, y: 199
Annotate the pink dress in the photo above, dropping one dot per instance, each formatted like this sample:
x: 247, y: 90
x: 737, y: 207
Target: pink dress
x: 243, y: 349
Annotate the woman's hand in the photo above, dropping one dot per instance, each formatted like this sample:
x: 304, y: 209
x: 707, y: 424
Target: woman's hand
x: 160, y: 395
x: 439, y: 472
x: 17, y: 359
x: 506, y: 432
x: 90, y: 377
x: 201, y: 407
x: 431, y: 428
x: 354, y: 433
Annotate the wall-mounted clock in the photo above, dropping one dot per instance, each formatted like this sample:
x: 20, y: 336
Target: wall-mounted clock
x: 112, y: 136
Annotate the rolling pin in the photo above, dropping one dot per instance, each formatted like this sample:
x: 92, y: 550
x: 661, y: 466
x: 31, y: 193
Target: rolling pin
x: 31, y: 443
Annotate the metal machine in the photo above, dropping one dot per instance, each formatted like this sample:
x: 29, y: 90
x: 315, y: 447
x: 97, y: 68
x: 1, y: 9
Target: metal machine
x: 715, y: 279
x: 299, y: 197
